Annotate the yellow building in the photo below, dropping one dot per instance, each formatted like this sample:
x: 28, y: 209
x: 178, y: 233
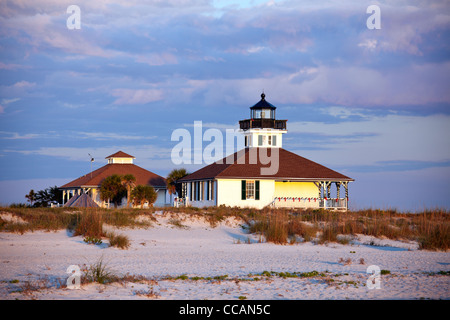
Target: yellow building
x: 264, y: 174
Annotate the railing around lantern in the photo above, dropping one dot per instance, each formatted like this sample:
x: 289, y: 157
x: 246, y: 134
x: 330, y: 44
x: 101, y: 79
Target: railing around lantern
x: 262, y: 123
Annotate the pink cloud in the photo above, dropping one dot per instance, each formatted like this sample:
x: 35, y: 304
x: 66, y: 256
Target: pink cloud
x: 12, y: 66
x: 137, y: 96
x: 24, y: 84
x: 158, y: 59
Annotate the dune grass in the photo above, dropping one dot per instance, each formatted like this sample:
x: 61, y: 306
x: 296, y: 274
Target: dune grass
x: 430, y: 228
x: 118, y: 240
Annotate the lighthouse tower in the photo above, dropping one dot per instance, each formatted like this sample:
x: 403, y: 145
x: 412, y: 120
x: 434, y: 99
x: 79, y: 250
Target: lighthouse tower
x: 262, y: 129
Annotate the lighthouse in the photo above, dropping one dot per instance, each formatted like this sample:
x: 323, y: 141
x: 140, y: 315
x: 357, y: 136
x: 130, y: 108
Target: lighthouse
x: 262, y: 129
x: 297, y: 182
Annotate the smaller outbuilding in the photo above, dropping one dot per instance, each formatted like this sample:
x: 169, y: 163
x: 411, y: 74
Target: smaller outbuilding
x: 119, y: 163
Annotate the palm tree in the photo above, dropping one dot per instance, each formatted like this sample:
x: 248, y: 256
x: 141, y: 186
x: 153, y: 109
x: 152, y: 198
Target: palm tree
x: 111, y: 189
x: 31, y: 196
x: 129, y: 182
x: 142, y: 193
x: 171, y: 180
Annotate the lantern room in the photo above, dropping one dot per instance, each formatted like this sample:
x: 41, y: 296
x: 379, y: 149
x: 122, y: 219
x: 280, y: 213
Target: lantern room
x: 263, y: 129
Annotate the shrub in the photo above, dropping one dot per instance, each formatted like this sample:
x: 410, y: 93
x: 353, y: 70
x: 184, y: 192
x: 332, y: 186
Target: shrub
x: 329, y: 233
x: 90, y: 225
x: 118, y: 240
x: 436, y: 238
x: 296, y: 227
x: 99, y: 273
x: 274, y: 226
x: 309, y: 274
x: 92, y: 240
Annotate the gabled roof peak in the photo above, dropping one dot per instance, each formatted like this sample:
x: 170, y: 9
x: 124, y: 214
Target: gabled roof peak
x: 120, y: 154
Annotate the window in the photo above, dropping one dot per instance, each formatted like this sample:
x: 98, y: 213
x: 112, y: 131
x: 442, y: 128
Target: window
x: 274, y: 140
x: 250, y: 190
x: 260, y: 140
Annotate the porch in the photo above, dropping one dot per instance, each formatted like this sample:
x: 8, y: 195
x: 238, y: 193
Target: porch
x: 310, y: 203
x: 310, y: 195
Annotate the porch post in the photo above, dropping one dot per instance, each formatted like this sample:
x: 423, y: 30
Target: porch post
x: 320, y: 190
x: 338, y: 187
x: 346, y: 189
x: 346, y: 193
x: 328, y: 184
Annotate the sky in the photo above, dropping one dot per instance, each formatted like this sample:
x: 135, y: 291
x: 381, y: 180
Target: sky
x: 373, y: 104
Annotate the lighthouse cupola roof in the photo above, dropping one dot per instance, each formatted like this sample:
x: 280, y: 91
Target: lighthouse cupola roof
x: 262, y: 116
x: 263, y: 104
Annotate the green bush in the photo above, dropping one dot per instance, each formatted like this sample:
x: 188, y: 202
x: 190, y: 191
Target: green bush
x: 92, y: 240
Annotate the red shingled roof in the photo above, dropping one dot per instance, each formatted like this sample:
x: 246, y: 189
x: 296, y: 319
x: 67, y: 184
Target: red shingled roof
x: 142, y: 176
x: 120, y: 154
x: 291, y: 167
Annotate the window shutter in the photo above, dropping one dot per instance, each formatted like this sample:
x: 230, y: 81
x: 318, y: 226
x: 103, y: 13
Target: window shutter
x: 243, y: 193
x: 257, y: 190
x: 274, y: 140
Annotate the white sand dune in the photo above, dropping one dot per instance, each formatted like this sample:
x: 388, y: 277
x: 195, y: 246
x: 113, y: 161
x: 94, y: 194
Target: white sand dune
x: 198, y: 250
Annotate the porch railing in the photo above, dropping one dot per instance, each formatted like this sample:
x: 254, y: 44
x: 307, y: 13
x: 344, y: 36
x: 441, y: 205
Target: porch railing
x: 179, y: 202
x: 302, y: 202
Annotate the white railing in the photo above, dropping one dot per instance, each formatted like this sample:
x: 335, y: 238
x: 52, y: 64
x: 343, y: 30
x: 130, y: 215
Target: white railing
x: 334, y: 203
x: 179, y: 202
x: 303, y: 202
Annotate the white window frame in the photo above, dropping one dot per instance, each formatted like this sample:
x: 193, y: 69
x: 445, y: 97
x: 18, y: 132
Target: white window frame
x: 250, y: 189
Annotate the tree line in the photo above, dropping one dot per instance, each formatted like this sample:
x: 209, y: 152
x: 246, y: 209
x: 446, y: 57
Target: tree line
x: 43, y: 198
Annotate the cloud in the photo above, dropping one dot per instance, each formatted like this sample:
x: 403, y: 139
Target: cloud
x: 18, y: 136
x: 12, y: 66
x: 110, y: 136
x: 24, y: 84
x: 143, y: 152
x: 214, y: 125
x: 405, y: 28
x: 336, y: 85
x: 8, y: 101
x: 137, y: 96
x: 378, y: 139
x: 157, y: 59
